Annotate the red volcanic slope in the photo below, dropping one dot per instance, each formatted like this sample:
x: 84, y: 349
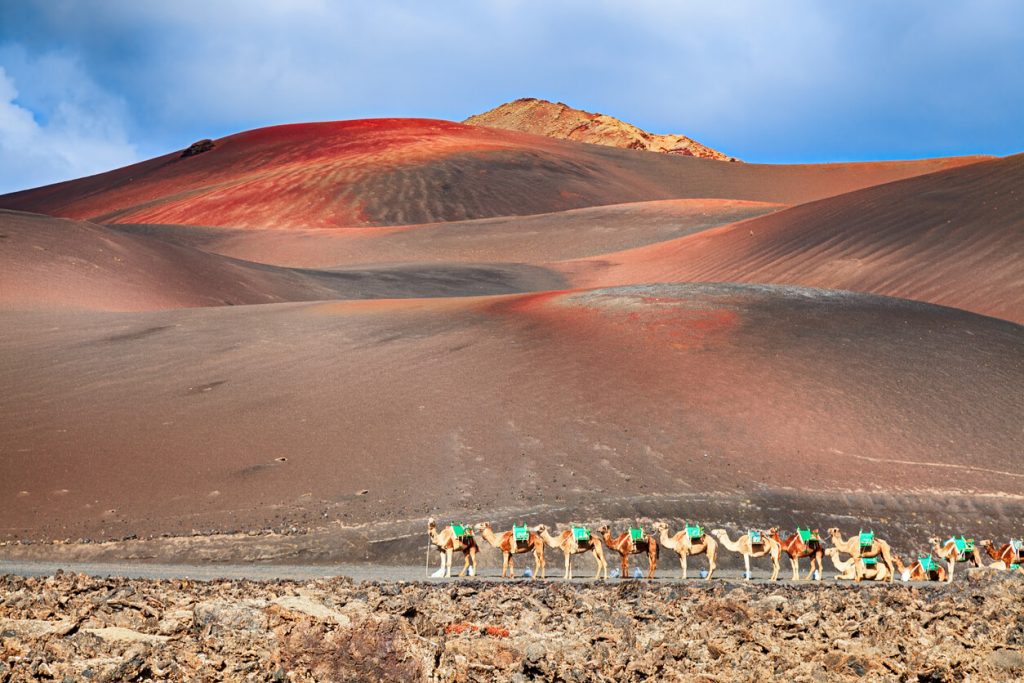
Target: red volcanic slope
x: 526, y: 404
x: 48, y: 263
x: 954, y: 238
x: 406, y: 171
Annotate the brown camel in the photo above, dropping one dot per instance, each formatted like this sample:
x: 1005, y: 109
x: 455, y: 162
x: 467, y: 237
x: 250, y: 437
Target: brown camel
x: 570, y: 545
x: 852, y: 547
x: 802, y: 544
x: 925, y: 569
x: 510, y: 547
x: 448, y: 540
x: 752, y: 544
x: 1007, y: 557
x: 689, y: 541
x: 625, y: 545
x: 956, y: 550
x: 847, y: 571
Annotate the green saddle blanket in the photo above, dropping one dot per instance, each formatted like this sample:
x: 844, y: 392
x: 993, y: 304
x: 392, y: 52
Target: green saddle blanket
x: 927, y: 563
x: 756, y: 537
x: 964, y: 546
x: 520, y: 533
x: 807, y: 536
x: 867, y: 538
x: 581, y: 533
x: 869, y: 561
x: 694, y: 532
x: 462, y: 530
x: 636, y: 534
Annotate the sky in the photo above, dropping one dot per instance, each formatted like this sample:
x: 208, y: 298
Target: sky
x: 90, y: 86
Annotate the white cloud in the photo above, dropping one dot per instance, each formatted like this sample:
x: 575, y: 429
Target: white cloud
x: 74, y: 128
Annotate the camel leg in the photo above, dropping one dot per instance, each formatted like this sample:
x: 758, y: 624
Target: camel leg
x: 887, y: 558
x: 652, y: 561
x: 568, y: 567
x: 623, y: 562
x: 539, y: 562
x: 952, y: 563
x: 598, y: 559
x: 746, y: 563
x: 504, y: 564
x: 776, y: 566
x: 448, y: 552
x: 794, y: 562
x: 712, y: 554
x: 682, y: 564
x: 465, y: 562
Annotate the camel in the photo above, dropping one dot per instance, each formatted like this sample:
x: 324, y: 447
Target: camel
x: 1007, y: 554
x: 569, y: 545
x: 685, y: 545
x: 918, y: 572
x: 952, y: 553
x: 448, y: 542
x: 847, y: 570
x: 510, y: 547
x: 854, y: 549
x: 625, y: 545
x: 796, y: 547
x: 748, y: 549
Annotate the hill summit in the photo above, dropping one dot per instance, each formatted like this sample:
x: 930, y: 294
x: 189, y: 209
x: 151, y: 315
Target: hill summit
x: 558, y: 120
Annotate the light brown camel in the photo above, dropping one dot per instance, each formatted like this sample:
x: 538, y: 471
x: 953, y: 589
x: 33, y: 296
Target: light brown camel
x: 569, y: 545
x: 949, y: 552
x: 685, y: 546
x: 917, y: 572
x: 510, y: 547
x: 745, y: 546
x: 448, y: 542
x: 1006, y: 557
x: 853, y: 548
x: 796, y: 547
x: 847, y: 570
x: 625, y: 545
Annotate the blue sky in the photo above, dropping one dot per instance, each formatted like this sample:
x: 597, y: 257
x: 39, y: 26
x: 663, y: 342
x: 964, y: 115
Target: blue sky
x: 89, y: 86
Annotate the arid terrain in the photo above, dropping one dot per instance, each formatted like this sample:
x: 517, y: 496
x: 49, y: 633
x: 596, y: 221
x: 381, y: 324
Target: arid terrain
x: 298, y: 343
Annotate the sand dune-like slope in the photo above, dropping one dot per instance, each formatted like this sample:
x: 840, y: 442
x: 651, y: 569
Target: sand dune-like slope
x: 536, y: 240
x: 954, y: 238
x: 558, y: 120
x: 234, y: 416
x: 411, y: 171
x: 57, y: 263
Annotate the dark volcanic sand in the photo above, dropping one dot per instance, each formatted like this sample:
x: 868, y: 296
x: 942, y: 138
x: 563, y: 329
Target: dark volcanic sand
x: 552, y: 404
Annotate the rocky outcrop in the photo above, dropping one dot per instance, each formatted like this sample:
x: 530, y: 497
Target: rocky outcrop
x: 72, y: 627
x: 557, y: 120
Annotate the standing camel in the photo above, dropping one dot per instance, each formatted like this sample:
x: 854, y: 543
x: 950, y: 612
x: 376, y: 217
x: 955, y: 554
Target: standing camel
x: 746, y: 546
x: 852, y: 547
x: 925, y: 569
x: 567, y: 542
x: 956, y: 550
x: 625, y: 545
x: 686, y: 544
x: 448, y: 541
x: 510, y: 547
x: 847, y: 570
x: 802, y: 545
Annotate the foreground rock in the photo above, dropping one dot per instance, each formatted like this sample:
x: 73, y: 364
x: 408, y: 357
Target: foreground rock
x: 73, y: 627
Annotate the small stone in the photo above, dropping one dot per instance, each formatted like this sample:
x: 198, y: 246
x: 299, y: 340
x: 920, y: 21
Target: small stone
x: 1008, y: 660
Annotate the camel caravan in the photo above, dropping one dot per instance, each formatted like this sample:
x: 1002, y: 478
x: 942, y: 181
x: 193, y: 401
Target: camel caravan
x: 859, y: 557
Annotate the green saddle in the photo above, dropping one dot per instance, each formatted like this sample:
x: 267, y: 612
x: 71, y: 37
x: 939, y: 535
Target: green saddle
x: 869, y: 561
x: 964, y: 547
x: 636, y: 534
x: 1018, y: 546
x: 462, y: 530
x: 695, y: 532
x: 807, y: 536
x: 867, y: 538
x: 520, y: 533
x: 756, y: 537
x: 581, y: 533
x: 927, y: 563
x: 1014, y: 566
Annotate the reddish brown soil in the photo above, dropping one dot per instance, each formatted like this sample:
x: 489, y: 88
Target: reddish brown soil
x: 411, y: 171
x: 237, y: 416
x: 952, y: 238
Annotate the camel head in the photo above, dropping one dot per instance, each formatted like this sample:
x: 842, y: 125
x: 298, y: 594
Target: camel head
x: 431, y: 523
x: 773, y: 532
x: 987, y: 543
x: 934, y: 541
x: 540, y: 528
x: 480, y: 526
x: 833, y: 532
x: 604, y: 529
x: 832, y: 552
x: 660, y: 526
x: 718, y: 532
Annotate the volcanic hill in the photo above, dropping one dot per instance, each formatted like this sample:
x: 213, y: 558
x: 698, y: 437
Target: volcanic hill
x: 557, y: 120
x: 348, y: 327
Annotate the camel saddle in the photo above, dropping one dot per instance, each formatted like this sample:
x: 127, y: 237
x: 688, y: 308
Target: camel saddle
x: 1018, y: 547
x: 927, y: 563
x: 580, y: 533
x: 520, y: 534
x: 756, y: 539
x: 636, y: 534
x: 462, y: 531
x: 867, y: 538
x: 808, y: 537
x: 869, y: 561
x: 964, y: 547
x: 695, y: 532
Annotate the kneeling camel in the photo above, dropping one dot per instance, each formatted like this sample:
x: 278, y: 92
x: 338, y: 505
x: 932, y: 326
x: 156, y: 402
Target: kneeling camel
x: 853, y: 548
